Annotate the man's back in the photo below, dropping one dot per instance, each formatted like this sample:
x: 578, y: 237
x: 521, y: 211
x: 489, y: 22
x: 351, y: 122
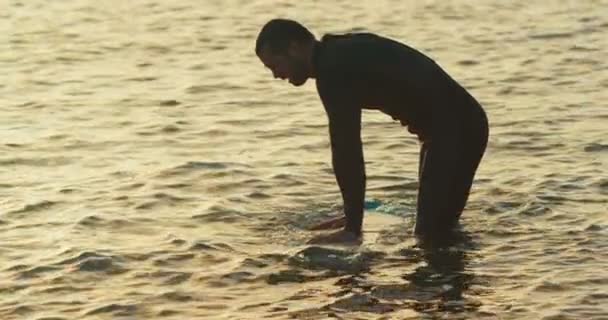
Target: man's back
x: 368, y: 71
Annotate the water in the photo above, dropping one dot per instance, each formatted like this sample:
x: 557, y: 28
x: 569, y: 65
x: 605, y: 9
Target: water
x: 152, y: 168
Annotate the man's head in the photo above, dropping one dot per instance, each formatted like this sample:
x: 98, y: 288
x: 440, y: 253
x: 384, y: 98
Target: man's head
x: 285, y: 47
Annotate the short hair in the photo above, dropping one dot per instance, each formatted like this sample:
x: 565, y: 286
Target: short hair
x: 279, y: 33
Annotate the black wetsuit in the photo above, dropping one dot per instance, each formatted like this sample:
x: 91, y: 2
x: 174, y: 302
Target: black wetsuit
x: 366, y: 71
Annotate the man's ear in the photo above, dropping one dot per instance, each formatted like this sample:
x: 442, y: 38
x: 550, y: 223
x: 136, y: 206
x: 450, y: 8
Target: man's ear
x: 294, y: 49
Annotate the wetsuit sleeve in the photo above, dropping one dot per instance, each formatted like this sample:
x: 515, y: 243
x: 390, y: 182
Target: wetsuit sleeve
x: 344, y: 116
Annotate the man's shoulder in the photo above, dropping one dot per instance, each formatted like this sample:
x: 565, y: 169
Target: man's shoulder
x: 341, y: 54
x: 353, y: 38
x: 348, y: 45
x: 359, y: 42
x: 359, y: 51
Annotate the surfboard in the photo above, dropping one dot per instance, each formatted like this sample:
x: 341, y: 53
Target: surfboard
x: 376, y: 220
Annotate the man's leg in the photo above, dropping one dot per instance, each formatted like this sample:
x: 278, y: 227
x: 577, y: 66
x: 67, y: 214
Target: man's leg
x: 475, y: 146
x: 446, y: 172
x: 441, y: 160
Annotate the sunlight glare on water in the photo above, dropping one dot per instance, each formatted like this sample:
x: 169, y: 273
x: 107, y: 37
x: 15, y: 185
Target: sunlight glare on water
x: 152, y: 168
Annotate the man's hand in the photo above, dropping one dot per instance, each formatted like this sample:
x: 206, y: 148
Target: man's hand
x: 342, y: 236
x: 334, y: 223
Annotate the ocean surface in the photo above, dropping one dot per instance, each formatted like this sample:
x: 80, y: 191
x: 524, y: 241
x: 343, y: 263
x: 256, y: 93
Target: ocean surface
x: 152, y: 168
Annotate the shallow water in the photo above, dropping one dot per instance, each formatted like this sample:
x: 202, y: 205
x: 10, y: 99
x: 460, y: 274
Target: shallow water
x: 152, y: 168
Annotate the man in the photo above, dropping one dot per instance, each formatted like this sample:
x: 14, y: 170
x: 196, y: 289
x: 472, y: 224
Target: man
x: 367, y: 71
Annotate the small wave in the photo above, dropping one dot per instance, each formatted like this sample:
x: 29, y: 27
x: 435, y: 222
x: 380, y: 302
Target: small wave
x: 35, y: 207
x: 91, y: 221
x: 596, y: 147
x: 37, y: 271
x: 20, y: 310
x: 274, y: 257
x: 30, y: 104
x: 169, y: 277
x: 176, y: 296
x: 17, y: 267
x: 147, y: 205
x: 528, y: 61
x: 168, y: 197
x: 231, y: 279
x: 178, y: 242
x: 219, y: 214
x: 177, y: 278
x: 63, y: 289
x: 362, y: 302
x: 90, y: 260
x: 169, y: 103
x: 258, y: 195
x: 253, y: 263
x: 536, y: 209
x: 56, y: 137
x: 173, y: 258
x: 170, y: 129
x: 531, y: 145
x: 506, y: 90
x: 394, y: 292
x: 214, y: 132
x: 178, y: 185
x: 99, y: 264
x: 581, y: 48
x: 213, y: 88
x: 143, y: 79
x: 122, y: 309
x: 579, y: 61
x: 206, y: 246
x: 199, y: 67
x: 168, y: 313
x: 68, y: 190
x: 97, y: 222
x: 36, y: 162
x: 290, y: 276
x: 593, y: 298
x: 158, y: 49
x: 549, y: 36
x: 547, y: 286
x: 595, y: 227
x: 131, y: 186
x: 193, y: 166
x: 320, y: 258
x: 161, y: 199
x: 257, y: 305
x: 15, y: 145
x: 468, y: 62
x: 503, y: 206
x: 198, y: 165
x: 238, y: 276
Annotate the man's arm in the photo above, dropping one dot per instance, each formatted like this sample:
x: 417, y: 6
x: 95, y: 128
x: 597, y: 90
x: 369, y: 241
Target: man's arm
x: 347, y: 156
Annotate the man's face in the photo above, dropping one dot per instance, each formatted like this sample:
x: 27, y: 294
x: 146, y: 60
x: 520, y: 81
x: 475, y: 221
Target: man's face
x: 288, y: 65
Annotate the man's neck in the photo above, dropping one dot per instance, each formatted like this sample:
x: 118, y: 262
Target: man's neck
x: 313, y: 51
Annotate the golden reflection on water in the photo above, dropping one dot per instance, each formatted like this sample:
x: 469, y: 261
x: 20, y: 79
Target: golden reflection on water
x: 152, y: 168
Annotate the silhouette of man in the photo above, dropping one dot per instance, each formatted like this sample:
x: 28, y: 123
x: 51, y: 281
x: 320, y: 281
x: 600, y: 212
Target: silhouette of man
x: 365, y: 71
